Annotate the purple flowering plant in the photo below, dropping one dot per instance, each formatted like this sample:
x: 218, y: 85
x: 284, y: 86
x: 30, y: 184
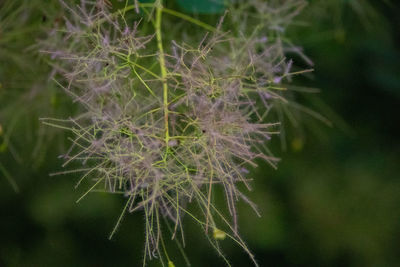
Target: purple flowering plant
x: 173, y: 106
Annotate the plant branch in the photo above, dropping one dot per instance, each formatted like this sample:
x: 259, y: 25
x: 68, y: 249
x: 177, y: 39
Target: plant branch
x: 163, y: 68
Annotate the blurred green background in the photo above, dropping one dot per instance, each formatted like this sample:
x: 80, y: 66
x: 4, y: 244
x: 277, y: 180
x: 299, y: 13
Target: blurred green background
x: 334, y: 201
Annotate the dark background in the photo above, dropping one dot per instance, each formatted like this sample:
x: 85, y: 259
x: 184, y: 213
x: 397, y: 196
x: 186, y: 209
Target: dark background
x: 334, y: 200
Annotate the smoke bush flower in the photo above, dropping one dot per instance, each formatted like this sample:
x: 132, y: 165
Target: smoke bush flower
x: 164, y: 121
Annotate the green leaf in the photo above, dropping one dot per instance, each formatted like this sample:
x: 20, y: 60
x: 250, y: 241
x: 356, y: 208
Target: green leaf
x: 203, y: 6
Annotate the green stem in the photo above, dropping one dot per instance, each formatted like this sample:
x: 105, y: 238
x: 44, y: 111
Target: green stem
x: 165, y: 10
x: 163, y: 68
x: 190, y: 19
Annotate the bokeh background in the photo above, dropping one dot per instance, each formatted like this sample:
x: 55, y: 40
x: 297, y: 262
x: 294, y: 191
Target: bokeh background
x: 334, y: 200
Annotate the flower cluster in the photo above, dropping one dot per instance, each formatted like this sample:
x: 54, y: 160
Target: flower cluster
x: 165, y: 120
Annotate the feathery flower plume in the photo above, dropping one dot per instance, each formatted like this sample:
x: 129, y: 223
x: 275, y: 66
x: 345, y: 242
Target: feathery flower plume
x: 165, y: 120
